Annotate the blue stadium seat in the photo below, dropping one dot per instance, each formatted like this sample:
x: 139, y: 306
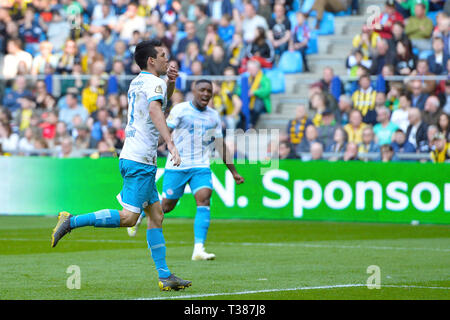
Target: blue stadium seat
x: 347, y: 12
x: 277, y: 80
x: 291, y: 62
x: 292, y: 16
x: 327, y: 25
x: 307, y: 5
x: 432, y: 15
x: 425, y: 54
x: 313, y: 44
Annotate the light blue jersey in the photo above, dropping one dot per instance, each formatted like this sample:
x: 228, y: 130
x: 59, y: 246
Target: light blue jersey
x: 193, y: 135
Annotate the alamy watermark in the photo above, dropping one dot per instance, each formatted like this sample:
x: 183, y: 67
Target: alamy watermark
x: 74, y: 280
x: 374, y: 280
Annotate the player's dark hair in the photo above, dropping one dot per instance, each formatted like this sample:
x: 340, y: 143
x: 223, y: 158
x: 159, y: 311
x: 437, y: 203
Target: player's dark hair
x: 145, y: 50
x: 203, y: 81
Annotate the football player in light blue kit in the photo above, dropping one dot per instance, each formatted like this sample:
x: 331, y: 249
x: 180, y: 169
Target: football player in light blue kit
x: 196, y: 127
x: 147, y: 97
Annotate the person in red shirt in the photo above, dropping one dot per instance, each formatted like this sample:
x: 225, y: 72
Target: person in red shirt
x: 383, y: 24
x: 49, y: 125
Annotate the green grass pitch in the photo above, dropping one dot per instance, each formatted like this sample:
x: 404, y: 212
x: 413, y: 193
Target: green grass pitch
x: 255, y: 260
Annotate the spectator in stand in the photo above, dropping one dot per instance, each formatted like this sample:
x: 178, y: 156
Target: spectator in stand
x: 345, y: 106
x: 26, y: 143
x: 27, y: 109
x: 368, y: 144
x: 103, y: 16
x: 437, y: 61
x: 300, y: 39
x: 8, y: 140
x: 202, y: 21
x: 416, y: 133
x: 48, y: 126
x: 423, y: 70
x: 66, y: 150
x: 327, y: 128
x: 216, y: 63
x: 383, y: 25
x: 66, y: 115
x: 355, y: 127
x: 335, y: 6
x: 44, y: 58
x: 251, y: 22
x: 441, y: 151
x: 101, y: 125
x: 443, y: 30
x: 311, y: 136
x: 418, y: 95
x: 339, y: 141
x: 393, y: 96
x: 399, y: 143
x: 296, y: 127
x: 407, y: 7
x: 431, y: 132
x: 11, y: 98
x: 84, y: 140
x: 191, y: 36
x: 130, y: 22
x: 331, y: 83
x: 319, y: 105
x: 15, y: 58
x: 69, y: 58
x: 212, y: 39
x: 381, y: 57
x: 419, y: 28
x: 286, y: 151
x: 259, y: 92
x: 398, y: 34
x: 58, y: 31
x: 236, y: 51
x: 404, y: 60
x: 316, y: 151
x: 259, y: 49
x: 279, y: 33
x: 232, y: 103
x: 217, y: 9
x: 106, y: 45
x: 90, y: 94
x: 366, y: 42
x: 351, y: 152
x: 364, y: 100
x: 400, y: 116
x: 387, y: 153
x: 384, y: 129
x: 444, y: 125
x: 225, y: 29
x: 192, y: 54
x: 432, y: 111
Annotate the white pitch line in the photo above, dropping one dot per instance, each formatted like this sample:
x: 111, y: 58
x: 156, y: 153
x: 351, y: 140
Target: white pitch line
x: 285, y: 289
x: 268, y: 244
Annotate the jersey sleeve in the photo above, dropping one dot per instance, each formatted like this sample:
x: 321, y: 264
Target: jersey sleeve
x: 156, y: 91
x: 173, y: 120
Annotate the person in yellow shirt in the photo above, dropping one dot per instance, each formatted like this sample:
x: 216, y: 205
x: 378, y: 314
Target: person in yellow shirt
x: 366, y: 42
x: 355, y: 127
x: 441, y: 152
x: 90, y: 94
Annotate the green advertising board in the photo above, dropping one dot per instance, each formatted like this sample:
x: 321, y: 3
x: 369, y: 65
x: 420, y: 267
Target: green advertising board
x: 288, y: 190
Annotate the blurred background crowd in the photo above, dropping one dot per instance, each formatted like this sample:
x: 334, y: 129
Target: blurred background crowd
x: 66, y: 66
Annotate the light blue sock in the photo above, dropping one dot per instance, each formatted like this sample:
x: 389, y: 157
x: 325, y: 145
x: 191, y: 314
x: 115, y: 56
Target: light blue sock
x: 107, y: 218
x: 157, y: 246
x: 201, y: 224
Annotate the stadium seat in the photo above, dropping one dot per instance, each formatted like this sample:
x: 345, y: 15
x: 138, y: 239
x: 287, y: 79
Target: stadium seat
x: 327, y: 24
x: 432, y: 15
x: 423, y: 55
x: 277, y: 80
x: 291, y: 62
x: 292, y: 16
x: 307, y: 5
x: 313, y: 44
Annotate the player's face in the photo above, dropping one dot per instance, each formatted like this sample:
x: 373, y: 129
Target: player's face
x: 161, y: 61
x: 202, y: 94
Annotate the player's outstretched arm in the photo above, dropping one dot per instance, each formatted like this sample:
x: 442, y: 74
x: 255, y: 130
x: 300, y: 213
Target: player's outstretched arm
x: 159, y: 120
x: 227, y: 158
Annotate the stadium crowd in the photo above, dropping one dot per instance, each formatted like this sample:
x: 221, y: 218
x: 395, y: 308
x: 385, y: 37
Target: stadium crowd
x: 41, y: 39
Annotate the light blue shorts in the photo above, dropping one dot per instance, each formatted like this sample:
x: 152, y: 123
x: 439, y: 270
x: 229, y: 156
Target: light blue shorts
x: 139, y: 187
x: 175, y: 181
